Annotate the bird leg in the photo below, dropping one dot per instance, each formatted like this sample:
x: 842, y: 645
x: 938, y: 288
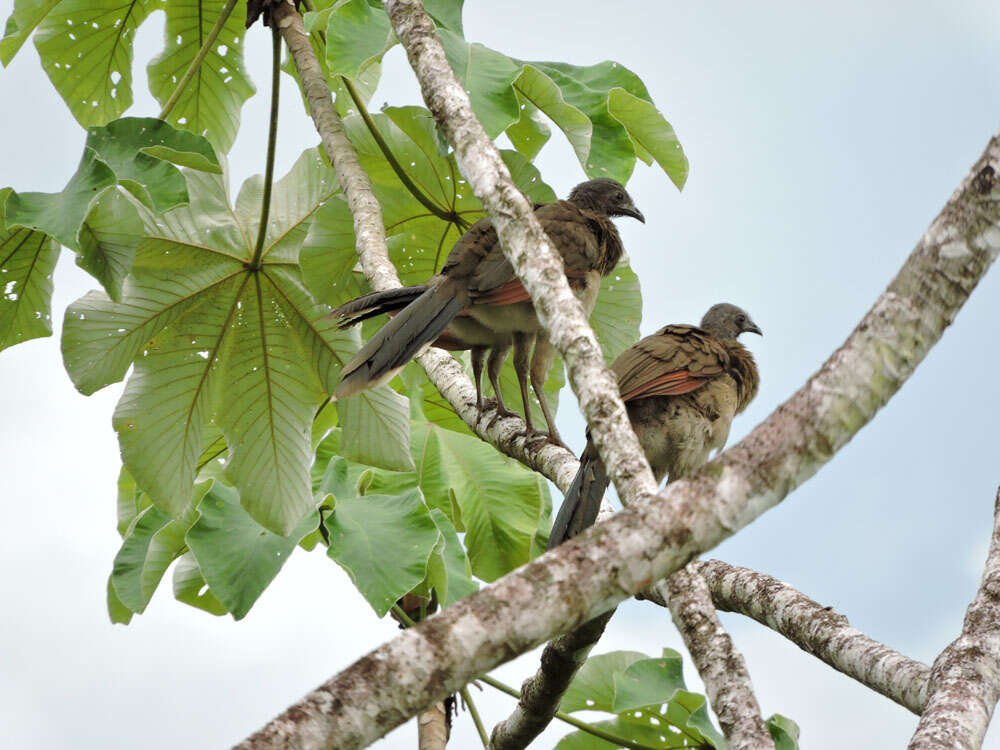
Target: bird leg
x: 541, y: 362
x: 522, y: 350
x: 498, y: 355
x: 478, y: 355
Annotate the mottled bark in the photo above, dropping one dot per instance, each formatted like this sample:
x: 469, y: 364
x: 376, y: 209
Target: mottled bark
x: 591, y: 573
x: 554, y: 462
x: 535, y: 260
x: 965, y: 679
x: 432, y: 728
x: 540, y: 694
x: 721, y: 666
x: 818, y: 630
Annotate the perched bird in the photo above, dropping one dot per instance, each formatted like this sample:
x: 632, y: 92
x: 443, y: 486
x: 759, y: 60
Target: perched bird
x: 682, y: 386
x: 477, y: 302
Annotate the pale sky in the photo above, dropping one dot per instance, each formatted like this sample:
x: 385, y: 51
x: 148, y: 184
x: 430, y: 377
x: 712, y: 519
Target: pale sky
x: 822, y: 142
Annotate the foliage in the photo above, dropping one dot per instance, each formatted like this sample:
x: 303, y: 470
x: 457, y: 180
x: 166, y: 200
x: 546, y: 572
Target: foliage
x: 651, y: 705
x: 232, y: 454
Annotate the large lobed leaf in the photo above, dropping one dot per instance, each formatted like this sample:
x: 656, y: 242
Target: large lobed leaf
x: 214, y: 342
x: 86, y: 48
x: 604, y: 110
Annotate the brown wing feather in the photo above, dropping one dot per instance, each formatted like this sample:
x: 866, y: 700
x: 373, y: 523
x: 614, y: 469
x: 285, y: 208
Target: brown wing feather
x: 675, y: 360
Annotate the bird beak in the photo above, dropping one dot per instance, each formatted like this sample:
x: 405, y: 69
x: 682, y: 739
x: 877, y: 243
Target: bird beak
x: 631, y: 210
x: 752, y: 328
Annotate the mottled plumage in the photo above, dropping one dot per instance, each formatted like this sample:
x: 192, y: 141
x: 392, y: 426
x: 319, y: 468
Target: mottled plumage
x: 682, y: 386
x: 477, y: 302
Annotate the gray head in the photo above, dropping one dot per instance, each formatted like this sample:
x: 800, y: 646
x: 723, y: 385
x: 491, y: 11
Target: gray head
x: 727, y: 322
x: 606, y: 196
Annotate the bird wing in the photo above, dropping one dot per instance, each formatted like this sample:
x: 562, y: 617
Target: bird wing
x: 675, y: 360
x: 578, y: 235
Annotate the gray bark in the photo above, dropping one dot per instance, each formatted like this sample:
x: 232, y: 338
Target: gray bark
x: 535, y: 260
x: 590, y: 574
x: 721, y: 666
x: 818, y: 630
x: 965, y: 679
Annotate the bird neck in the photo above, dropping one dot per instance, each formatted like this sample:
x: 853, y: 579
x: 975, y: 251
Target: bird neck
x: 744, y: 372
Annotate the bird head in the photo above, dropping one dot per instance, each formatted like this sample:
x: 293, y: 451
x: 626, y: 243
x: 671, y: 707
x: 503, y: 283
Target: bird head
x: 727, y: 322
x: 606, y: 196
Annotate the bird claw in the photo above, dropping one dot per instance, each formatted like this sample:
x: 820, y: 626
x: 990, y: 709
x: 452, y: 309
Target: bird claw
x: 534, y: 436
x: 500, y: 414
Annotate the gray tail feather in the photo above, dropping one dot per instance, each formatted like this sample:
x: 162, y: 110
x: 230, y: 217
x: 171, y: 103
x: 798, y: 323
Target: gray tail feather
x: 399, y: 340
x: 376, y: 303
x: 583, y: 499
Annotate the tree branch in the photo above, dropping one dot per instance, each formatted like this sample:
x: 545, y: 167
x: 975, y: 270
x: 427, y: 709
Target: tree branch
x: 591, y: 573
x: 432, y: 728
x: 817, y: 630
x: 540, y: 694
x: 965, y: 679
x: 535, y: 260
x: 720, y: 665
x: 443, y: 370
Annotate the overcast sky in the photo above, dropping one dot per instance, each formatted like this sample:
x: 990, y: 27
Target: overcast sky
x: 822, y: 142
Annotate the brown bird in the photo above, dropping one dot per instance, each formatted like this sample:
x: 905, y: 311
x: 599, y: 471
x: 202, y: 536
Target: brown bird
x: 477, y: 302
x: 682, y: 386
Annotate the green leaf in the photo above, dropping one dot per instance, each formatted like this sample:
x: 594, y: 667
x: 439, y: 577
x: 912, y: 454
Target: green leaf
x: 215, y: 342
x: 448, y: 569
x: 118, y: 612
x: 593, y: 688
x: 22, y: 21
x: 356, y: 36
x: 86, y: 50
x: 141, y: 151
x: 27, y: 260
x: 237, y: 556
x: 60, y: 215
x: 363, y: 529
x: 446, y: 13
x: 190, y: 586
x: 210, y: 104
x: 648, y: 681
x: 650, y: 133
x: 530, y: 133
x: 689, y: 713
x: 618, y: 311
x: 784, y: 732
x: 152, y: 542
x: 539, y: 94
x: 649, y: 735
x: 376, y: 429
x: 108, y: 239
x: 487, y: 76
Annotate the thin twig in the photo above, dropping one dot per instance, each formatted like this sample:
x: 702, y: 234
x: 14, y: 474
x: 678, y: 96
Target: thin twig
x: 272, y: 140
x: 213, y: 34
x: 474, y: 713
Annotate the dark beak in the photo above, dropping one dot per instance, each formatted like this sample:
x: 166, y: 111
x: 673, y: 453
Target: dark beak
x: 752, y: 328
x: 632, y: 211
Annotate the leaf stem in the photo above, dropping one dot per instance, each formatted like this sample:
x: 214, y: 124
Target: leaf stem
x: 571, y: 720
x: 474, y: 713
x: 198, y: 59
x: 441, y: 212
x: 272, y: 139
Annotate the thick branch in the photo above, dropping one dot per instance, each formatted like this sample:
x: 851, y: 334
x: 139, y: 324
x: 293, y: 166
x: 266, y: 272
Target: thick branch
x: 432, y: 728
x: 720, y: 665
x: 965, y: 679
x: 591, y: 573
x: 535, y: 260
x: 817, y: 630
x: 540, y: 694
x: 507, y: 435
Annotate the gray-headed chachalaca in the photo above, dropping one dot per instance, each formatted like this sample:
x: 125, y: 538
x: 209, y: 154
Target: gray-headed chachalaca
x: 682, y: 386
x: 477, y: 302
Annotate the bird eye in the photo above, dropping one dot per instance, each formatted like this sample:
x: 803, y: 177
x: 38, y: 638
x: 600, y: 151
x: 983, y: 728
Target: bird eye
x: 741, y: 321
x: 620, y: 196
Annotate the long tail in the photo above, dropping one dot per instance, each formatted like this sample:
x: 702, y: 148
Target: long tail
x: 583, y: 499
x: 401, y: 339
x: 376, y: 303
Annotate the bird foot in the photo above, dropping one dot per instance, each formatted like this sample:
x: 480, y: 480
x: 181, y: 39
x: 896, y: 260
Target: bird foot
x: 501, y: 413
x: 534, y: 437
